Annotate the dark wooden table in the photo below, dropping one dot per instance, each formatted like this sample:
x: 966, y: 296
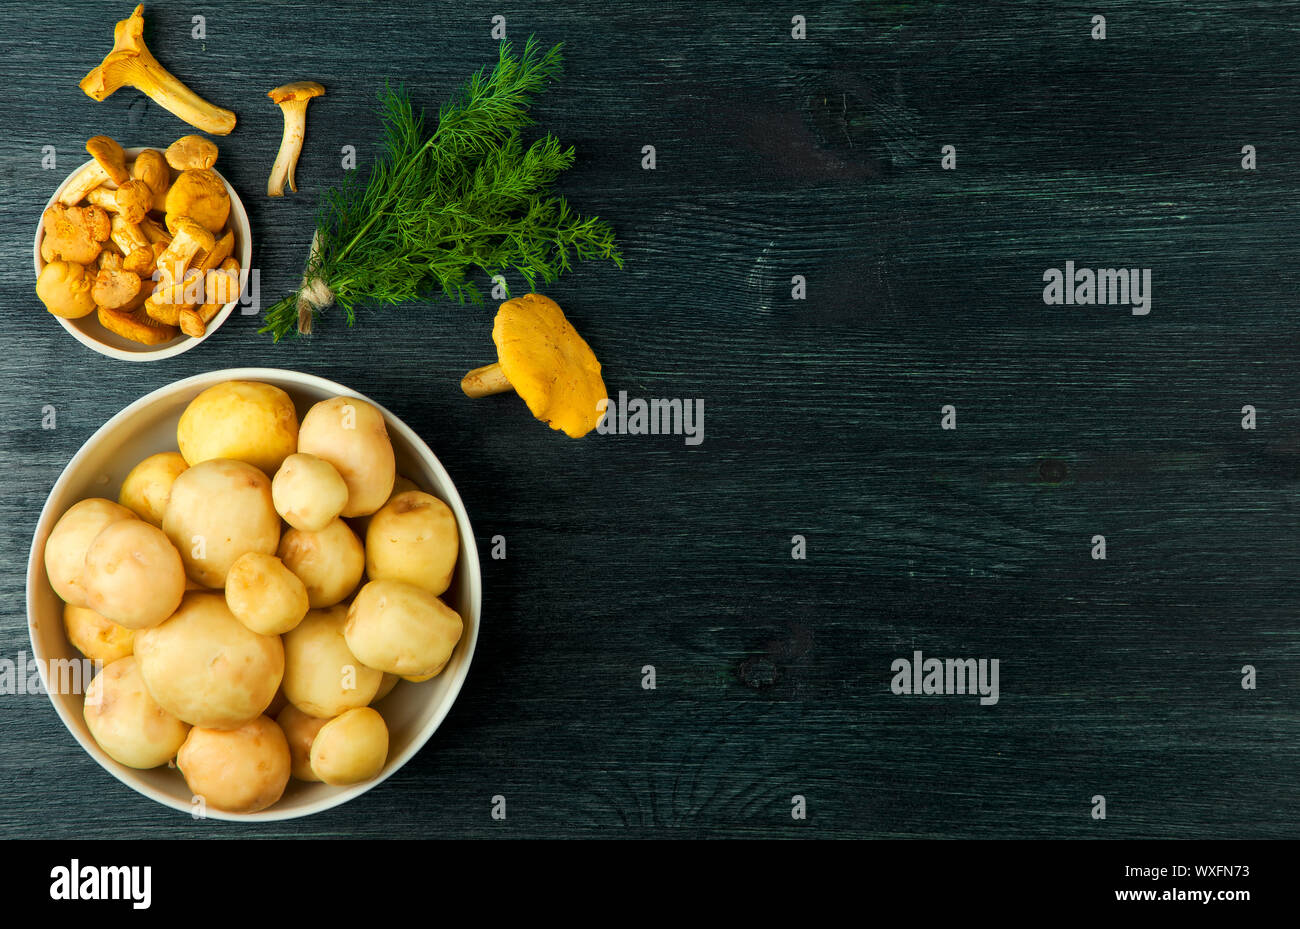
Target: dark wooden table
x: 776, y: 157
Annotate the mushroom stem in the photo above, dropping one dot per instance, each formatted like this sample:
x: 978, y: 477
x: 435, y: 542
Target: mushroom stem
x: 87, y: 179
x: 295, y: 127
x: 292, y: 100
x: 485, y: 381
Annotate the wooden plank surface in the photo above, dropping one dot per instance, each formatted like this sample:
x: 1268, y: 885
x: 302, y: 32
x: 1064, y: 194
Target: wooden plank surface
x: 779, y: 157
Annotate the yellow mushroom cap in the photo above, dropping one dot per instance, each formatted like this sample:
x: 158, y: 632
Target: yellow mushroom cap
x: 298, y: 90
x: 110, y: 156
x: 199, y: 194
x: 549, y: 364
x: 191, y: 151
x: 65, y: 289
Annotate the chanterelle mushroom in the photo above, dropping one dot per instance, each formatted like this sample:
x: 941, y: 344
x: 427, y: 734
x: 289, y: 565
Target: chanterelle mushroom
x: 136, y: 325
x: 200, y: 195
x: 114, y: 289
x: 171, y: 297
x: 293, y: 99
x: 191, y: 151
x: 151, y: 167
x: 75, y: 233
x: 110, y: 258
x: 153, y: 232
x: 133, y: 200
x: 131, y: 64
x: 219, y: 252
x: 221, y: 286
x: 190, y: 239
x: 141, y: 261
x: 544, y: 360
x: 109, y: 166
x: 176, y: 277
x: 127, y: 236
x: 64, y: 287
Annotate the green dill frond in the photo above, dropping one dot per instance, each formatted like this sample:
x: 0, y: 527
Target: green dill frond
x: 469, y: 195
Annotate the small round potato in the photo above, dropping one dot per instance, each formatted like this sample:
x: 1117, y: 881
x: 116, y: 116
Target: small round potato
x: 385, y: 687
x: 413, y: 538
x: 308, y: 492
x: 237, y: 770
x: 244, y: 420
x: 402, y: 485
x: 147, y: 488
x: 264, y: 595
x: 300, y: 729
x: 134, y: 576
x: 321, y: 675
x: 65, y: 549
x: 220, y: 509
x: 330, y: 562
x: 350, y: 434
x: 351, y: 748
x: 402, y: 629
x: 421, y: 678
x: 361, y: 524
x: 206, y: 668
x: 127, y: 722
x: 97, y: 638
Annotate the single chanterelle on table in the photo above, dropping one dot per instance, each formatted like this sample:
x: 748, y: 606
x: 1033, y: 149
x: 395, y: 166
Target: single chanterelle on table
x: 131, y: 64
x: 543, y: 359
x: 293, y: 99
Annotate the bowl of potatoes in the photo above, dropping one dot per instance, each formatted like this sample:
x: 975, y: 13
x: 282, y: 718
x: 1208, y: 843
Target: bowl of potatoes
x: 272, y: 584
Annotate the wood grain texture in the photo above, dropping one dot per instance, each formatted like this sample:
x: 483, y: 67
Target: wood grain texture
x: 776, y: 158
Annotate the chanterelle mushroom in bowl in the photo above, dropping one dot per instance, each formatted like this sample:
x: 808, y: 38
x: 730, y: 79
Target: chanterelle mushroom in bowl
x: 113, y: 220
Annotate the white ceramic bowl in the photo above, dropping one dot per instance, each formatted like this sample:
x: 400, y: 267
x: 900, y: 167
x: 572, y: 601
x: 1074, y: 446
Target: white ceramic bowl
x: 412, y: 711
x: 87, y: 329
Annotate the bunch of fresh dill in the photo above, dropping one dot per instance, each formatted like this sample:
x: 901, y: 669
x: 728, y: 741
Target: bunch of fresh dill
x: 472, y: 194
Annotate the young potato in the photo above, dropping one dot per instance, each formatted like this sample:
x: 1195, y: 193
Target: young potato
x: 402, y: 485
x: 264, y: 595
x: 206, y: 668
x: 65, y: 549
x: 421, y: 678
x: 361, y: 524
x: 237, y: 770
x: 351, y: 748
x: 97, y: 638
x: 402, y: 629
x: 219, y: 510
x: 244, y: 420
x: 321, y: 675
x: 350, y: 434
x: 385, y: 687
x: 300, y: 729
x: 127, y: 722
x: 413, y: 538
x: 147, y: 488
x: 330, y: 562
x: 308, y: 492
x: 134, y: 575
